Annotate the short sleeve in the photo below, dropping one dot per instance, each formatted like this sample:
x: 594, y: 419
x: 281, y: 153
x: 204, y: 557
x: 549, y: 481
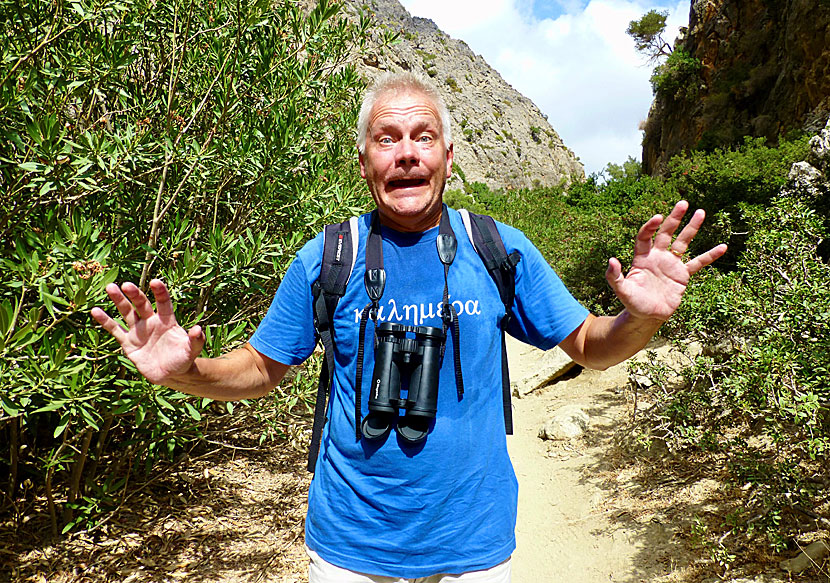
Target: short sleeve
x: 286, y: 334
x: 544, y: 312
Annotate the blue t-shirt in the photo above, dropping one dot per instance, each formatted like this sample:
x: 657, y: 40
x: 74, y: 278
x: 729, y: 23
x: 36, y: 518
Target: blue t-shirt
x: 447, y: 505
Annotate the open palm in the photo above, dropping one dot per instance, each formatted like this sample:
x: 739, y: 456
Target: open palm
x: 655, y: 284
x: 153, y: 341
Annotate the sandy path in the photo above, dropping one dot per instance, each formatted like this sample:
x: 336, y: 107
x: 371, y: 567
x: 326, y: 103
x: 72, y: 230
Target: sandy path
x: 566, y: 527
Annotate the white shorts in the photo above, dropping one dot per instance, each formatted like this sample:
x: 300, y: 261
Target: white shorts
x: 321, y: 571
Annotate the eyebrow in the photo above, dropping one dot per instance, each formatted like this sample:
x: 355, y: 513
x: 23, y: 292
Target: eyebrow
x: 420, y: 127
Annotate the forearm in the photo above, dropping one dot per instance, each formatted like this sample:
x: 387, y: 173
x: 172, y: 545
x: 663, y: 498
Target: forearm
x: 608, y: 340
x: 239, y: 374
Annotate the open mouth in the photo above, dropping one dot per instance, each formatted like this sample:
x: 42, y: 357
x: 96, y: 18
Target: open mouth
x: 407, y: 183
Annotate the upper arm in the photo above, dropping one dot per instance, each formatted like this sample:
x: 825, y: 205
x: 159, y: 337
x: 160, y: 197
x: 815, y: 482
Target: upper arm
x: 544, y: 311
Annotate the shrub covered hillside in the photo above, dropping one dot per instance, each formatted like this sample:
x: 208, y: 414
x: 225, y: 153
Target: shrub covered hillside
x: 198, y: 142
x: 754, y: 407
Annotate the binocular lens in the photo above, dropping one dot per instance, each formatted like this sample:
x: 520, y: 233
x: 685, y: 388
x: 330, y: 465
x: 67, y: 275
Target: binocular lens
x: 400, y: 356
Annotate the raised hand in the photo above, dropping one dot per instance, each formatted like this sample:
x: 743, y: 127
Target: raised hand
x: 658, y: 277
x: 154, y: 341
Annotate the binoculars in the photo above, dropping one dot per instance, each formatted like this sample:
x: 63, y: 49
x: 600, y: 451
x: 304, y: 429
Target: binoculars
x: 404, y: 353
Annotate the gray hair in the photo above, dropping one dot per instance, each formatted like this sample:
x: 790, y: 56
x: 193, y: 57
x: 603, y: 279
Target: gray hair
x: 397, y: 83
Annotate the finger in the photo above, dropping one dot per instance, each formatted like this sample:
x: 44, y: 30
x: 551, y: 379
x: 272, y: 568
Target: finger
x: 140, y: 302
x: 122, y: 304
x: 164, y: 305
x: 669, y: 226
x: 689, y: 232
x: 108, y: 324
x: 642, y: 244
x: 705, y: 259
x: 197, y: 339
x: 613, y: 275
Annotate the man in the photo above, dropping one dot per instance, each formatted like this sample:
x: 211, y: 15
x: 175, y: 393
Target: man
x: 387, y: 509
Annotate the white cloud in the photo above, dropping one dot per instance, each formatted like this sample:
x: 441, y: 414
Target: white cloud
x: 579, y: 68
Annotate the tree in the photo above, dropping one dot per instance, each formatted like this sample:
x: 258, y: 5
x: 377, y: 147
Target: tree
x: 198, y: 142
x: 648, y: 34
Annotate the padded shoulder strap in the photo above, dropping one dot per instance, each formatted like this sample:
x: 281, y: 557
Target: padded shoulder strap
x: 485, y: 237
x: 339, y: 255
x: 340, y: 242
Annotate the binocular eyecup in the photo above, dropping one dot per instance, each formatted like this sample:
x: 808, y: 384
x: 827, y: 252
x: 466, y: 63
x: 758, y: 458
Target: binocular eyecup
x: 404, y: 352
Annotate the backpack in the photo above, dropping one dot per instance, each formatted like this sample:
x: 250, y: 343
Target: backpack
x: 339, y: 255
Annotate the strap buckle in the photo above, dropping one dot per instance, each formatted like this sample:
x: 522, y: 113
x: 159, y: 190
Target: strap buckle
x: 448, y: 313
x: 510, y: 262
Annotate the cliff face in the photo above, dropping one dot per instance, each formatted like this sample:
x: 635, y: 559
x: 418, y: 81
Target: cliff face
x: 765, y: 71
x: 501, y: 138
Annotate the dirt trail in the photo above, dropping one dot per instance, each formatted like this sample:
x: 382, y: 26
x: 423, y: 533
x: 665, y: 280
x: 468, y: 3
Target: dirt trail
x: 568, y: 527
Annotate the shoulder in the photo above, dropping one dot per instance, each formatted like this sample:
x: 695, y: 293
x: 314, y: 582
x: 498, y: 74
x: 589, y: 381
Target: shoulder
x: 513, y: 238
x: 311, y: 254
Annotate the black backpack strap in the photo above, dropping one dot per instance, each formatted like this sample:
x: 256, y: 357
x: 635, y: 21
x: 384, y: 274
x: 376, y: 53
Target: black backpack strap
x: 482, y: 231
x: 339, y: 252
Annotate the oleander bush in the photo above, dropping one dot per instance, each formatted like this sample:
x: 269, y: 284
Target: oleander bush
x: 196, y: 142
x: 757, y: 400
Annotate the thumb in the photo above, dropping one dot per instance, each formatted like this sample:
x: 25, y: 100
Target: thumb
x: 197, y: 340
x: 613, y: 275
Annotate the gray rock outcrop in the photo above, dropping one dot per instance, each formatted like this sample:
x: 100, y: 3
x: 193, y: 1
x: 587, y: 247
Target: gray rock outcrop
x: 810, y: 176
x: 553, y: 364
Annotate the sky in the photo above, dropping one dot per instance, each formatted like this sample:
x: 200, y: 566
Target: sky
x: 572, y: 58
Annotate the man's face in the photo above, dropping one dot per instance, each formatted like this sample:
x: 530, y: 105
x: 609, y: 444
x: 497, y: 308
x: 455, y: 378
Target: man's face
x: 406, y: 162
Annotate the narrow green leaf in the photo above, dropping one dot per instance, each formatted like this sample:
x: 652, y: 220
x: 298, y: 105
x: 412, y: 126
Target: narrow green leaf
x: 192, y: 411
x: 30, y: 166
x: 53, y: 406
x: 6, y: 313
x: 89, y: 418
x: 67, y: 417
x: 164, y: 402
x: 8, y: 406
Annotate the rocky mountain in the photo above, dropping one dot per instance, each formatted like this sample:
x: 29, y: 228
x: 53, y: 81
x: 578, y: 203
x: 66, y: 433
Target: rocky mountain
x: 501, y: 138
x: 764, y: 70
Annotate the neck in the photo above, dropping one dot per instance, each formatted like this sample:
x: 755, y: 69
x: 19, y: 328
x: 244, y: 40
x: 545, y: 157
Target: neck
x: 415, y: 224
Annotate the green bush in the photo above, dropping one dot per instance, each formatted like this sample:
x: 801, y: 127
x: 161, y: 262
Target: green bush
x: 759, y: 396
x: 678, y: 78
x: 722, y: 180
x: 196, y: 142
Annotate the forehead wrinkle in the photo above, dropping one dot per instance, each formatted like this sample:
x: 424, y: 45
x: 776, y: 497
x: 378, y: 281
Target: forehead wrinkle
x: 405, y: 113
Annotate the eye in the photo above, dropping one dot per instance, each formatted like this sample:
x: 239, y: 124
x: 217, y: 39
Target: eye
x: 425, y: 138
x: 385, y: 140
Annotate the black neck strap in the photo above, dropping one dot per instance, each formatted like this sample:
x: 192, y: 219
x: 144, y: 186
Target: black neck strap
x: 375, y: 277
x: 375, y: 281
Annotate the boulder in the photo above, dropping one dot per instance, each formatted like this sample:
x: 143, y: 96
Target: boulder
x: 552, y: 364
x: 566, y: 423
x: 820, y: 149
x: 805, y: 176
x: 814, y: 554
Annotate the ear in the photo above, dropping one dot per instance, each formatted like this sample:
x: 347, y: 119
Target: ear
x: 362, y: 161
x: 449, y: 160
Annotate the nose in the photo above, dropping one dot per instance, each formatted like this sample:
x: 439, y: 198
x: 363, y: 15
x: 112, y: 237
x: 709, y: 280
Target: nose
x: 406, y: 153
